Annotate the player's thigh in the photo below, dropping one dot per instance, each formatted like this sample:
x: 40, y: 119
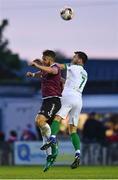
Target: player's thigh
x: 55, y: 107
x: 75, y: 113
x: 65, y: 107
x: 50, y: 107
x: 56, y: 103
x: 45, y: 108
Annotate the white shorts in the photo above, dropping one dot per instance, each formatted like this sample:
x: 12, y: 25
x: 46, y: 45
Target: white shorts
x: 71, y: 106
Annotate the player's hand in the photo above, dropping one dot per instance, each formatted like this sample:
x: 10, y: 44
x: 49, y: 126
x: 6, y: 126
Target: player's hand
x: 33, y: 64
x: 29, y: 74
x: 38, y: 61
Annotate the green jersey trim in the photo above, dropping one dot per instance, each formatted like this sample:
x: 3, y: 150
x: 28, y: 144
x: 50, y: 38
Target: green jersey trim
x: 65, y: 66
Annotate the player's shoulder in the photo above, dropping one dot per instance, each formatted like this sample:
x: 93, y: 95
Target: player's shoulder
x: 71, y: 65
x: 85, y: 72
x: 76, y: 66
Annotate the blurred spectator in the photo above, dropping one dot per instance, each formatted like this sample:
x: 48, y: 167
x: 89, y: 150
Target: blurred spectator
x: 28, y: 134
x: 4, y: 150
x: 13, y: 136
x: 94, y: 130
x: 2, y: 136
x: 112, y: 136
x: 112, y: 129
x: 93, y: 138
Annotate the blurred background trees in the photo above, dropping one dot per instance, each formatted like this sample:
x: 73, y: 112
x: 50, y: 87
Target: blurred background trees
x: 9, y: 61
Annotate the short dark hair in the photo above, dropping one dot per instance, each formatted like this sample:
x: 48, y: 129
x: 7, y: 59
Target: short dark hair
x: 82, y: 55
x: 49, y: 53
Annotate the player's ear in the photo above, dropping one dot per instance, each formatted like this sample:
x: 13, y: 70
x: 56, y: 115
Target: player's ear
x: 79, y: 60
x: 51, y: 59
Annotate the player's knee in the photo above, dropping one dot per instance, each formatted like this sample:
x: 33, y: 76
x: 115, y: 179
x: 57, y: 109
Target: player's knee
x: 40, y: 120
x: 72, y: 129
x: 58, y: 118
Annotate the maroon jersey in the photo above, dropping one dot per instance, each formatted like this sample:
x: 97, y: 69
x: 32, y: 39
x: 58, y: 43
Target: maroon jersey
x: 51, y: 83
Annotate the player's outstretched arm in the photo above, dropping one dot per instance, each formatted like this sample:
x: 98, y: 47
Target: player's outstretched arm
x: 33, y: 75
x: 51, y: 70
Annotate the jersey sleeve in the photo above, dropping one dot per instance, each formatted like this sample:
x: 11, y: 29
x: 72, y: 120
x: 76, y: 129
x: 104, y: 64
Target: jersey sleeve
x: 56, y: 68
x: 67, y: 66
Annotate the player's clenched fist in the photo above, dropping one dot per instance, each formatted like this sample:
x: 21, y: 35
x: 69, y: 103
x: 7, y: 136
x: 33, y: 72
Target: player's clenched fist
x: 35, y: 62
x: 38, y: 61
x: 30, y: 74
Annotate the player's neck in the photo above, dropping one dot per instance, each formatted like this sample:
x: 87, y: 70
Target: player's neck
x: 79, y: 64
x: 52, y: 63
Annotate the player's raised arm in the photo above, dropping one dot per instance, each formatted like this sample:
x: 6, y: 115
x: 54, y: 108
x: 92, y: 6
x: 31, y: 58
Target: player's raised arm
x: 51, y: 70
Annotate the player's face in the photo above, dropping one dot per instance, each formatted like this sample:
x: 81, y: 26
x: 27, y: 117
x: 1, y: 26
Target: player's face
x: 46, y: 60
x: 76, y: 59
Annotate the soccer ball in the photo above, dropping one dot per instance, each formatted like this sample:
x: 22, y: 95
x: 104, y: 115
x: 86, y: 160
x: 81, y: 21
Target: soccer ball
x: 66, y: 13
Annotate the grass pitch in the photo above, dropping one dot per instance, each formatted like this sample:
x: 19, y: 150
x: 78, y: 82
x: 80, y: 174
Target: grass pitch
x: 57, y: 172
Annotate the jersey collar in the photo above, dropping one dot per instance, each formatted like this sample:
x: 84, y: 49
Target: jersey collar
x: 77, y: 64
x: 52, y: 64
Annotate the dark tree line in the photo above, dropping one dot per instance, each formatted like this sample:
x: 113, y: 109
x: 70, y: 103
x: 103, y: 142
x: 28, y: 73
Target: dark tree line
x: 8, y: 59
